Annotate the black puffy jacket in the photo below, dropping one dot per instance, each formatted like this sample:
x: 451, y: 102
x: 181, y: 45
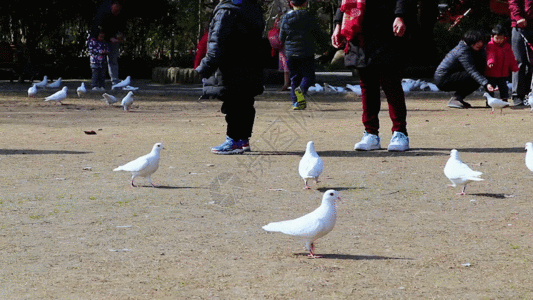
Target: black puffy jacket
x: 463, y: 58
x: 299, y: 31
x: 233, y: 47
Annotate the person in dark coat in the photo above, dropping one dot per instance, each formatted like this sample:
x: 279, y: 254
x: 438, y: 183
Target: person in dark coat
x: 234, y: 43
x: 377, y: 53
x: 299, y: 33
x: 461, y: 71
x: 111, y: 19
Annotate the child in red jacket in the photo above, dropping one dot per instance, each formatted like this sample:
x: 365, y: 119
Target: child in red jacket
x: 500, y: 61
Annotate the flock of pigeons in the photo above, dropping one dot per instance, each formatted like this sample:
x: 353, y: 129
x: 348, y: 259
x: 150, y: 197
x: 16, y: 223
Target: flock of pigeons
x: 61, y: 95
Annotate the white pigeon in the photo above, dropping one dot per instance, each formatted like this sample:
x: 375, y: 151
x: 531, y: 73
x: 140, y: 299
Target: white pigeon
x: 312, y: 226
x: 329, y: 89
x: 55, y: 84
x: 355, y: 88
x: 127, y: 101
x: 311, y: 165
x: 459, y: 173
x: 58, y: 96
x: 143, y: 166
x: 42, y: 83
x: 81, y: 90
x: 316, y: 88
x: 495, y: 103
x: 109, y: 99
x: 530, y: 101
x: 529, y: 156
x: 32, y: 91
x: 122, y: 84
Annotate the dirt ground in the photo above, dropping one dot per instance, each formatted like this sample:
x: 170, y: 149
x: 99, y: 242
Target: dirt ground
x: 71, y: 228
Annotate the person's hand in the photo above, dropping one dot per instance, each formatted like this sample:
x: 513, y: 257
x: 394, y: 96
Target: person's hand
x: 336, y: 38
x: 521, y: 23
x: 490, y: 88
x: 398, y: 27
x: 491, y: 65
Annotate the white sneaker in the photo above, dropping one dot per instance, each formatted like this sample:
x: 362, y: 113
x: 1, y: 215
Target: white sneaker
x: 398, y: 142
x: 368, y: 142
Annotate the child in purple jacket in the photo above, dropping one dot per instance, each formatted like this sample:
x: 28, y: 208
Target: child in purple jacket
x: 98, y: 50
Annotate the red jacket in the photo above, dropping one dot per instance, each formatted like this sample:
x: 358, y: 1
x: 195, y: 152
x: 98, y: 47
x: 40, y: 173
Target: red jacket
x: 521, y: 9
x: 201, y: 49
x: 502, y: 58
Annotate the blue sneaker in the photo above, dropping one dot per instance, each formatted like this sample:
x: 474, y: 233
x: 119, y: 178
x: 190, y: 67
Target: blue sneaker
x: 245, y: 145
x: 229, y: 147
x: 398, y: 142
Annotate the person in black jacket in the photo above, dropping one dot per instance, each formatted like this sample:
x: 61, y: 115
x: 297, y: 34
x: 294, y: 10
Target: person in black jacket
x: 111, y: 20
x: 235, y: 39
x: 461, y: 71
x: 299, y: 32
x: 377, y: 53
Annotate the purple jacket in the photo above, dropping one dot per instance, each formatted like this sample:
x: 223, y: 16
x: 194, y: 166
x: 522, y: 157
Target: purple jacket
x: 98, y: 53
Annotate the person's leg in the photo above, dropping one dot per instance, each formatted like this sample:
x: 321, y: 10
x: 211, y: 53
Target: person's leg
x: 94, y: 79
x: 112, y: 61
x: 522, y: 78
x: 391, y: 82
x: 308, y: 73
x: 371, y: 100
x: 501, y: 83
x: 101, y: 77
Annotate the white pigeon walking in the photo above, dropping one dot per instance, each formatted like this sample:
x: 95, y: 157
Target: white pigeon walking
x: 56, y: 84
x: 43, y: 83
x: 530, y: 101
x: 122, y: 84
x: 495, y: 103
x: 459, y: 173
x: 143, y: 166
x: 109, y: 99
x: 313, y: 225
x: 127, y: 101
x: 32, y: 91
x: 81, y: 90
x: 58, y: 96
x: 311, y: 165
x: 529, y: 156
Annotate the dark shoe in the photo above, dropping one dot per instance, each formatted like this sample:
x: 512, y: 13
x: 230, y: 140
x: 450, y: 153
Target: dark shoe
x: 518, y: 101
x: 466, y: 104
x: 454, y: 103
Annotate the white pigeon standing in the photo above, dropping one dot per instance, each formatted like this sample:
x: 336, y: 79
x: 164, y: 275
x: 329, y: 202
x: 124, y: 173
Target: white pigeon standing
x: 355, y: 88
x: 529, y: 156
x: 127, y: 101
x: 43, y: 83
x: 81, y: 90
x: 122, y: 84
x: 530, y: 101
x: 459, y: 173
x: 312, y: 226
x: 32, y: 91
x: 55, y: 84
x: 311, y: 165
x: 495, y: 103
x: 58, y: 96
x: 109, y: 99
x: 143, y: 166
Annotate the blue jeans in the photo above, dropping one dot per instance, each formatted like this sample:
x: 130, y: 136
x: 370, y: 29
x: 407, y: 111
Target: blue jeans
x: 302, y: 70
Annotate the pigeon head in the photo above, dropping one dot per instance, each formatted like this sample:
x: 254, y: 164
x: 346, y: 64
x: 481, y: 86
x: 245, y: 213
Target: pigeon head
x: 311, y: 146
x: 158, y: 147
x: 454, y: 153
x: 529, y: 146
x: 330, y: 197
x: 65, y: 88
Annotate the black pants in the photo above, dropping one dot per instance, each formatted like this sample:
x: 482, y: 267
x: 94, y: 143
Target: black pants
x: 240, y: 115
x: 461, y: 83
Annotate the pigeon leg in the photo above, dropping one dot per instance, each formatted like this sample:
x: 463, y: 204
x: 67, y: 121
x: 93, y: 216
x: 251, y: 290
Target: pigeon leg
x: 463, y: 191
x: 133, y: 185
x: 312, y: 252
x: 306, y: 187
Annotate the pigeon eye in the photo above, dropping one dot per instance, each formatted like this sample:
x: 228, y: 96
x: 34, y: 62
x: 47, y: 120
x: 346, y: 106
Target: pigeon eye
x: 331, y: 194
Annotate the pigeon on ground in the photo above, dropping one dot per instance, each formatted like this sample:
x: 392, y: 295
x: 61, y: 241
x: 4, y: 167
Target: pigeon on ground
x: 495, y: 103
x: 329, y: 89
x: 32, y: 91
x: 127, y: 101
x: 81, y: 90
x: 313, y: 225
x: 55, y: 84
x: 122, y: 84
x: 58, y: 96
x: 354, y: 88
x: 143, y: 166
x: 311, y: 165
x: 316, y: 88
x: 43, y: 83
x: 530, y: 101
x: 529, y: 156
x: 459, y: 173
x: 109, y: 99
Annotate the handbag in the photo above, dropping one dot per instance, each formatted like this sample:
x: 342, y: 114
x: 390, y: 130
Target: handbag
x: 352, y: 21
